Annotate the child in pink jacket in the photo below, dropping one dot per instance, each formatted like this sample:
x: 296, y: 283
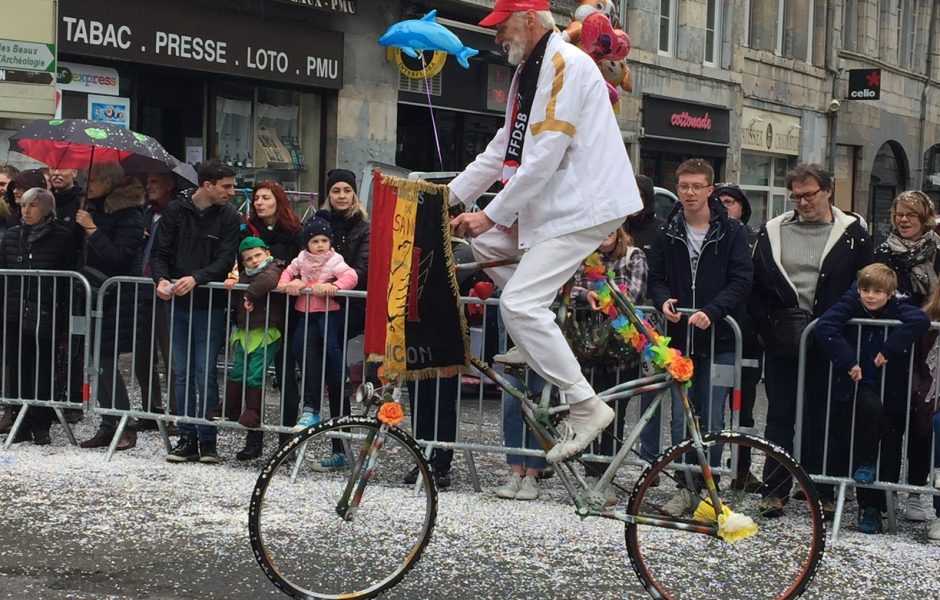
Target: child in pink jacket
x: 319, y: 269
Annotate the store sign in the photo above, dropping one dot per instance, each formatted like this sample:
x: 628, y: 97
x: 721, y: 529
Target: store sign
x: 88, y: 79
x: 665, y: 118
x: 864, y: 84
x: 27, y: 56
x: 110, y: 109
x: 180, y: 35
x: 771, y: 132
x: 341, y: 6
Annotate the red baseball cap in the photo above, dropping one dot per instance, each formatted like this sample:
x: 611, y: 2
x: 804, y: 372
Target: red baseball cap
x: 504, y: 9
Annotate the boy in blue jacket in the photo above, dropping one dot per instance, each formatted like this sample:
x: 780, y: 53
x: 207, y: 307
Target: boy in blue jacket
x: 876, y: 422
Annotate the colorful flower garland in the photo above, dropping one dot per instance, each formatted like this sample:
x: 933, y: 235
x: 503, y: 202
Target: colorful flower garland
x: 656, y: 351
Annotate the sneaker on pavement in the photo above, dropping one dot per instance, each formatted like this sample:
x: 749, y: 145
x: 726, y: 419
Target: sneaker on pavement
x: 307, y: 419
x: 936, y: 481
x: 919, y: 507
x: 684, y: 502
x: 864, y: 474
x: 442, y: 478
x: 578, y: 431
x: 870, y: 521
x: 933, y: 534
x: 411, y: 477
x: 208, y: 453
x: 829, y: 510
x: 747, y: 482
x: 528, y: 489
x: 335, y: 462
x: 510, y: 487
x: 510, y: 358
x: 186, y: 450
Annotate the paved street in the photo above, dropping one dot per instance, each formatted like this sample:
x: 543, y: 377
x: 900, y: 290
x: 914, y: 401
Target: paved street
x: 76, y: 527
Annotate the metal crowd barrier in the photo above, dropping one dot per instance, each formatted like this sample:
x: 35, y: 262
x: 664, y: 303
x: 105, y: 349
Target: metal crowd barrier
x: 840, y: 475
x: 45, y: 353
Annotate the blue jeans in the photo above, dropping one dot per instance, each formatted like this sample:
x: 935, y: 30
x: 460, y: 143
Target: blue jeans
x: 196, y: 339
x: 711, y: 411
x: 515, y: 432
x: 314, y: 331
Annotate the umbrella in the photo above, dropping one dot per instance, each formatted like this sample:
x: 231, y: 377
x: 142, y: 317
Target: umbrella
x: 79, y: 143
x: 184, y: 174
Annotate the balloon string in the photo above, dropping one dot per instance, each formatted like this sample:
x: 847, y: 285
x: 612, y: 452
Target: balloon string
x: 427, y: 88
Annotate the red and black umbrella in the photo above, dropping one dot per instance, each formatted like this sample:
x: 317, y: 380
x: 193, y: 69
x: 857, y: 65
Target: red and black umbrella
x: 79, y: 144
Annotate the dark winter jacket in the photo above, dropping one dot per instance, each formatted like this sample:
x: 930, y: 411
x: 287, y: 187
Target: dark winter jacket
x: 202, y: 244
x: 839, y: 341
x: 67, y: 203
x: 720, y: 284
x: 30, y: 302
x: 284, y: 245
x: 739, y: 195
x: 848, y: 249
x: 351, y: 241
x: 644, y: 225
x: 259, y: 291
x: 884, y: 255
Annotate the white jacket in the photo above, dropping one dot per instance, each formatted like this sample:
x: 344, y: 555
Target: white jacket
x: 575, y: 172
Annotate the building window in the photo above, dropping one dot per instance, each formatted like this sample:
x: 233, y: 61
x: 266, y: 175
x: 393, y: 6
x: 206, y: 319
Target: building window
x: 850, y: 17
x: 783, y: 27
x: 667, y: 27
x: 763, y: 179
x: 713, y: 33
x: 908, y: 34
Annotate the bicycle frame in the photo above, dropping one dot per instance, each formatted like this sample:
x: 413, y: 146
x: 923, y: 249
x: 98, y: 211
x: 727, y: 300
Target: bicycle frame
x: 589, y: 501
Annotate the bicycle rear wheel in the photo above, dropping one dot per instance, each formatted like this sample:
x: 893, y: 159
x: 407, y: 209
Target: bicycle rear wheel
x: 778, y: 561
x: 296, y: 519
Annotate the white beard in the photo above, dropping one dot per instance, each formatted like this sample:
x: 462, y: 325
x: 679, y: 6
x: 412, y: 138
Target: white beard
x: 515, y: 52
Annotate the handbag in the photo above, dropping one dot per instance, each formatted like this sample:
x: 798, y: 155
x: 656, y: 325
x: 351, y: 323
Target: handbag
x: 782, y: 330
x: 594, y: 342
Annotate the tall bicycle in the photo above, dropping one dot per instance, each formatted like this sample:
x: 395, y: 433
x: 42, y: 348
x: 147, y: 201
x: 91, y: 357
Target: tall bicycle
x: 356, y: 532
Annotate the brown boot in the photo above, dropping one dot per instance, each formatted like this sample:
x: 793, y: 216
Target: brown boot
x: 231, y: 402
x: 6, y: 422
x: 252, y: 415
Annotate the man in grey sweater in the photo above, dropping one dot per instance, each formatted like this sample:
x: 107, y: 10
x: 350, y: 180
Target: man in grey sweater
x: 804, y: 260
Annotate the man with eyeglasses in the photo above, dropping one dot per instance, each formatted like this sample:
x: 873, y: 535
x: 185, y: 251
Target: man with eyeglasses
x: 804, y: 260
x: 700, y: 261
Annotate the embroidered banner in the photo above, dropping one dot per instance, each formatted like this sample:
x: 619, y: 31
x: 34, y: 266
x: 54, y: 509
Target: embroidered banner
x: 416, y: 328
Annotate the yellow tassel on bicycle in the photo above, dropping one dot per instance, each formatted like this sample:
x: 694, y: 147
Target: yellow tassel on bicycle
x: 732, y: 526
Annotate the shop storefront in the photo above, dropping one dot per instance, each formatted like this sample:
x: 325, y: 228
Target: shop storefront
x: 674, y: 131
x: 468, y: 104
x: 204, y: 82
x: 770, y: 145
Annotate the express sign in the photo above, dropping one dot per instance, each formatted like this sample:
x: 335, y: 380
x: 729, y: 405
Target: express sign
x: 864, y: 84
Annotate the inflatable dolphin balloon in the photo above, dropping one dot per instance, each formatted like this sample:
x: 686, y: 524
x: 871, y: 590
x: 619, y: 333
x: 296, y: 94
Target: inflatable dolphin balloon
x: 426, y: 34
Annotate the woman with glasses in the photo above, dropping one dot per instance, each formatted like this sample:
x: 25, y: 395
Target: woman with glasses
x: 911, y: 251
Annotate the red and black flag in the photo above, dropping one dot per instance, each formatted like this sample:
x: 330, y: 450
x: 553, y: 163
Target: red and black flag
x: 416, y: 328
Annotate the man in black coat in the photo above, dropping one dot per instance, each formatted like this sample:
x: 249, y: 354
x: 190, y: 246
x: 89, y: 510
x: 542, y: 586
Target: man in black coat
x: 199, y: 235
x: 699, y: 261
x: 644, y: 225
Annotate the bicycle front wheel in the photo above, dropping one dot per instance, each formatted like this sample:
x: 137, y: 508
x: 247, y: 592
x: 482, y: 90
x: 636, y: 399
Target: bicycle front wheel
x: 307, y: 531
x: 778, y: 560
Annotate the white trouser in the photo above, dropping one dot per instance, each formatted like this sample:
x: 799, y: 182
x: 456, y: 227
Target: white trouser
x: 529, y: 288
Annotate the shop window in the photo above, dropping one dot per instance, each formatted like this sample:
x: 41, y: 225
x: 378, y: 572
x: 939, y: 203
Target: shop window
x: 888, y: 179
x: 268, y: 133
x: 932, y: 174
x: 713, y: 18
x: 763, y: 179
x: 667, y: 27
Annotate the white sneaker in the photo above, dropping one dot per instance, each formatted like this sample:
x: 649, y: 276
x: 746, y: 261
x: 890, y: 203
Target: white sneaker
x: 936, y: 481
x: 933, y: 534
x: 917, y: 508
x: 508, y: 490
x: 579, y: 431
x: 682, y: 503
x: 511, y: 358
x: 528, y: 489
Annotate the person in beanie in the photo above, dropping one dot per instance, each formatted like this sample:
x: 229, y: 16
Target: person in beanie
x: 644, y: 225
x: 257, y: 336
x: 22, y: 181
x: 319, y: 271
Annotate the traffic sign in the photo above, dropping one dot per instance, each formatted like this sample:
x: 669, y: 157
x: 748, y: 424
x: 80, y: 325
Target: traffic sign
x: 27, y: 56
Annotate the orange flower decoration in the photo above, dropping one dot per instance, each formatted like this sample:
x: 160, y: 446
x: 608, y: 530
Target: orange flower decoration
x: 680, y: 368
x: 391, y: 414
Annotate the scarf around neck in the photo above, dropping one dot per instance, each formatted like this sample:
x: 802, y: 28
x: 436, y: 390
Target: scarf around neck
x: 522, y: 107
x: 917, y: 258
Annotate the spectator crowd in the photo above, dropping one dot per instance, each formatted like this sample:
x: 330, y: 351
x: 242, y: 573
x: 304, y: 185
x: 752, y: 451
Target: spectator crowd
x: 275, y: 305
